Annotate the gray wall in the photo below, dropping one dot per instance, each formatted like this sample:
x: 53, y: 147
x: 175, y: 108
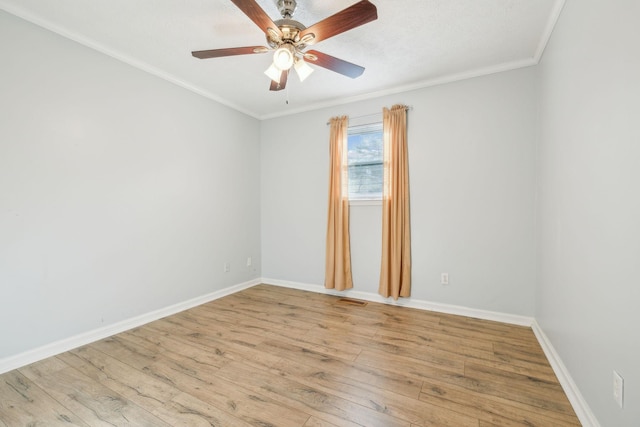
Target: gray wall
x: 589, y: 211
x: 120, y: 193
x: 471, y: 155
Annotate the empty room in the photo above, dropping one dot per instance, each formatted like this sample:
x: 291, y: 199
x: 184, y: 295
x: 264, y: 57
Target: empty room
x: 320, y: 213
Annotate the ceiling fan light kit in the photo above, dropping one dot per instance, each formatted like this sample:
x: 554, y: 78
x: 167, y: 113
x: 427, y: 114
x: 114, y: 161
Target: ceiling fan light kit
x: 289, y: 39
x: 284, y: 56
x: 273, y: 73
x: 302, y: 69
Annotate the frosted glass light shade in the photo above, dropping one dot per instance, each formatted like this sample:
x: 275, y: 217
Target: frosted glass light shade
x: 303, y: 69
x: 284, y: 56
x: 273, y: 73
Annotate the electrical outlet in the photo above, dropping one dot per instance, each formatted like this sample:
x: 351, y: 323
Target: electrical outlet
x: 618, y: 389
x: 227, y: 267
x: 444, y: 278
x: 249, y: 262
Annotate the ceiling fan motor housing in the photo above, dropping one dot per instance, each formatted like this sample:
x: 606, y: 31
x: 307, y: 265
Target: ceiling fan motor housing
x: 290, y: 31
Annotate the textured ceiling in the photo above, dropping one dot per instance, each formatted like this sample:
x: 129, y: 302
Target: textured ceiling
x: 414, y: 43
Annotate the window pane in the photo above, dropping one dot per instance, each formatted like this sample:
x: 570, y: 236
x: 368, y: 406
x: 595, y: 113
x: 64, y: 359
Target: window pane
x: 365, y: 162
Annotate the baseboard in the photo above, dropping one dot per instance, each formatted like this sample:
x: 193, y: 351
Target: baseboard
x: 580, y: 406
x: 578, y: 403
x: 409, y: 302
x: 40, y: 353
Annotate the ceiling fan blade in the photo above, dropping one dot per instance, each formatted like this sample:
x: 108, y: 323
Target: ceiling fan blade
x: 216, y: 53
x: 334, y: 64
x: 351, y: 17
x: 275, y: 86
x: 257, y: 15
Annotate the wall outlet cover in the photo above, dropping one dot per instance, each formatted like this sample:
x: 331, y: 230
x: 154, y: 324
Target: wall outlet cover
x: 444, y: 278
x: 618, y: 389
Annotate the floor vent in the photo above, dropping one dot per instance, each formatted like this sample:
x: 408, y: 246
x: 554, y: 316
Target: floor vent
x: 349, y: 301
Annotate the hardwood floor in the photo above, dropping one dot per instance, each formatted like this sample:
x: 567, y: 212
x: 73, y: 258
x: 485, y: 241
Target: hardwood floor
x: 271, y: 356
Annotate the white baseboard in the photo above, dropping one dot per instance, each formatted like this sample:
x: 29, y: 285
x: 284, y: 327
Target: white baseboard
x: 580, y: 406
x: 409, y: 302
x: 40, y: 353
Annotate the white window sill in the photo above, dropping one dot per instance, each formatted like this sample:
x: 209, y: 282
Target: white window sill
x: 365, y: 202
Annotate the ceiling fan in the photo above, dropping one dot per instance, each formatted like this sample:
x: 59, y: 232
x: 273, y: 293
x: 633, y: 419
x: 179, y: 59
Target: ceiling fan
x: 289, y: 39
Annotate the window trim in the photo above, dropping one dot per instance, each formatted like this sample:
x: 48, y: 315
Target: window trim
x: 371, y: 199
x: 365, y: 202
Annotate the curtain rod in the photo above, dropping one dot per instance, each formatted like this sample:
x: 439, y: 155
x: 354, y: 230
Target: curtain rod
x: 408, y: 108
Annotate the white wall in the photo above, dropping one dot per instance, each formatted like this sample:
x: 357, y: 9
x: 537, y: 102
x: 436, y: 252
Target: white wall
x: 589, y: 284
x: 471, y: 151
x: 120, y: 193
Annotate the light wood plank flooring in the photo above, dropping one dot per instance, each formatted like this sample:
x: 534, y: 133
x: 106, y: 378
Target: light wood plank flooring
x: 272, y: 356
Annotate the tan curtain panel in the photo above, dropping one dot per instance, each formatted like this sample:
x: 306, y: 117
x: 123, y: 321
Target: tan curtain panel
x: 338, y: 261
x: 395, y: 271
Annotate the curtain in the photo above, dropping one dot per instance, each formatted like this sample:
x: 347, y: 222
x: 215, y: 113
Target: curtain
x: 338, y: 261
x: 395, y: 271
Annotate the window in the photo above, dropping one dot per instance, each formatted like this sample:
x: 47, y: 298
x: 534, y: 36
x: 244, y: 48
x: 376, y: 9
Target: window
x: 364, y: 160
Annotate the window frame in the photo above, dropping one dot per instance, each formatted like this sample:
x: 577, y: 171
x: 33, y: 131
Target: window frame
x: 368, y: 199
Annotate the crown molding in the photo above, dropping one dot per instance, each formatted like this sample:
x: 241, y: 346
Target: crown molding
x: 436, y: 81
x: 141, y: 65
x: 551, y: 24
x: 449, y: 78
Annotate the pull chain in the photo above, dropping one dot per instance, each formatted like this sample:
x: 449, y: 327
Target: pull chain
x: 287, y: 89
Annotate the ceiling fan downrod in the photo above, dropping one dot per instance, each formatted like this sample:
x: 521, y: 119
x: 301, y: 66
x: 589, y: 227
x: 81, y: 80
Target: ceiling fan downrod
x: 287, y: 8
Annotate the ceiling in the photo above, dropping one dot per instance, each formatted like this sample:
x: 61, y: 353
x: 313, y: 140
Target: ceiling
x: 412, y: 44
